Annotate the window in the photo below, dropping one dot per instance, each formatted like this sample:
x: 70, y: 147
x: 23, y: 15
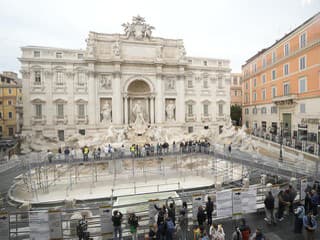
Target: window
x: 58, y: 55
x: 274, y: 92
x: 286, y: 89
x: 286, y: 69
x: 9, y: 91
x: 81, y: 112
x: 80, y: 55
x: 302, y: 63
x: 264, y: 94
x: 205, y: 63
x: 60, y: 111
x: 247, y: 85
x: 220, y: 82
x: 263, y: 79
x: 264, y: 62
x: 302, y: 108
x: 235, y: 93
x: 81, y: 79
x: 274, y: 57
x: 274, y: 74
x: 0, y: 115
x: 274, y: 109
x: 82, y: 132
x: 190, y: 110
x: 303, y: 40
x: 190, y: 129
x: 205, y: 109
x: 255, y: 68
x: 254, y: 96
x: 286, y: 50
x: 302, y: 85
x: 190, y: 83
x: 61, y: 135
x: 20, y: 90
x: 254, y: 82
x: 220, y: 109
x: 10, y: 115
x: 246, y: 98
x: 59, y: 78
x: 263, y: 110
x: 36, y: 54
x: 38, y: 109
x: 205, y: 83
x: 37, y: 77
x: 9, y: 102
x: 246, y: 111
x: 235, y: 81
x: 10, y: 131
x: 254, y: 110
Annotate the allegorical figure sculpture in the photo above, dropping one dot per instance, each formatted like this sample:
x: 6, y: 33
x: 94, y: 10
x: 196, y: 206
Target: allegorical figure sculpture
x: 170, y: 111
x: 138, y: 112
x: 138, y: 29
x: 106, y: 113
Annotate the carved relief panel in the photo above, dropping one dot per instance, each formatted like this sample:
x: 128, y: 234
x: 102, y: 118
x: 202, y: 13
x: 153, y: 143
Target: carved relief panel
x: 105, y: 82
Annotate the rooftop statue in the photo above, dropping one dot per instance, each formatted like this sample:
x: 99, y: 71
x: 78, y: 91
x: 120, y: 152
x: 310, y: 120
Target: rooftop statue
x: 138, y: 29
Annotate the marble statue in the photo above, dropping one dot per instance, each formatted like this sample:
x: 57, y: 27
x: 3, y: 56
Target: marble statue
x: 138, y: 29
x: 106, y: 113
x: 170, y: 111
x: 138, y: 112
x: 116, y: 48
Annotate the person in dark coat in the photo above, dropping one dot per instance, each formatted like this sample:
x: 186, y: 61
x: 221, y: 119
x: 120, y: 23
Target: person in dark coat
x: 269, y: 208
x: 298, y: 221
x: 201, y: 216
x: 209, y: 210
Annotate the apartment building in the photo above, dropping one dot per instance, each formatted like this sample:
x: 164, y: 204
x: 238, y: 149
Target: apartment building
x: 236, y: 89
x: 281, y: 87
x: 10, y: 104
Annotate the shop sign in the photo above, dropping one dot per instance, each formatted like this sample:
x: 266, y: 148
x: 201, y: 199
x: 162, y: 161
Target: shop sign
x: 310, y: 120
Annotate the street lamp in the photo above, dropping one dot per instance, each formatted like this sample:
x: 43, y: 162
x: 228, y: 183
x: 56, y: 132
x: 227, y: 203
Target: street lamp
x: 280, y: 139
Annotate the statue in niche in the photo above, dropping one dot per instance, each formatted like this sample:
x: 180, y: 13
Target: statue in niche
x: 106, y: 113
x: 116, y: 48
x: 105, y: 82
x: 138, y: 112
x: 170, y: 110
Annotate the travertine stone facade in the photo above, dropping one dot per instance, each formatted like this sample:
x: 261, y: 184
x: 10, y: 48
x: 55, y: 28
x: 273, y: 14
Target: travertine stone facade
x: 122, y: 80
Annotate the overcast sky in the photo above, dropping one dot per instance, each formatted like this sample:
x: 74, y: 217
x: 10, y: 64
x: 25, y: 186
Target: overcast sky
x: 231, y: 29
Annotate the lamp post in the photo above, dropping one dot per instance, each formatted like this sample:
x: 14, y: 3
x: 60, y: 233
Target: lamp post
x: 280, y: 139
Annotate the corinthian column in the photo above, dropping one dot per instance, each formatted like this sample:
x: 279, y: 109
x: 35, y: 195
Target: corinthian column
x: 152, y: 109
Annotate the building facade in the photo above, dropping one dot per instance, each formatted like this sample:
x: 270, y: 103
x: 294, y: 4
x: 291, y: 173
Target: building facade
x: 281, y: 87
x: 131, y: 80
x: 236, y: 89
x: 10, y: 104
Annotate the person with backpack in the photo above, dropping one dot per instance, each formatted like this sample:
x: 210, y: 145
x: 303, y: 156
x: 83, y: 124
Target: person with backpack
x: 209, y: 210
x: 244, y: 229
x: 201, y: 216
x: 236, y: 235
x: 116, y: 220
x: 133, y: 225
x: 170, y: 229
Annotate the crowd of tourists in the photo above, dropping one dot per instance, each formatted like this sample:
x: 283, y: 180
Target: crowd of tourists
x: 135, y: 150
x: 305, y: 212
x: 168, y: 226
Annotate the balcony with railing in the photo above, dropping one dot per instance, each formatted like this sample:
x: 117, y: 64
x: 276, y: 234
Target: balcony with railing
x: 205, y: 117
x: 82, y: 119
x: 191, y: 118
x: 38, y: 120
x: 61, y: 119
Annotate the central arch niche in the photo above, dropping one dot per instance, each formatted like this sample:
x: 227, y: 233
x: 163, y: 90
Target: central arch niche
x: 139, y: 87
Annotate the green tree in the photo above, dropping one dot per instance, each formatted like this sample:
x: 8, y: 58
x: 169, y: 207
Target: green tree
x: 236, y: 113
